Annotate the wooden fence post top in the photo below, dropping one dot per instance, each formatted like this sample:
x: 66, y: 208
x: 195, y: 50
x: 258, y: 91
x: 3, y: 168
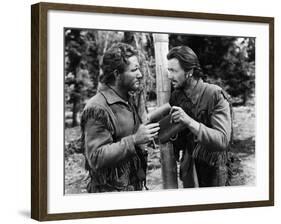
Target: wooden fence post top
x: 158, y: 37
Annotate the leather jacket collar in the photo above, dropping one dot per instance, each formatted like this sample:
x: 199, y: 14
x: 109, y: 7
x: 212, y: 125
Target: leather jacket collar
x: 197, y: 91
x: 110, y: 95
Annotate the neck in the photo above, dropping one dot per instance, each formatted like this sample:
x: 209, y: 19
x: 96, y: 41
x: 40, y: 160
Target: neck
x: 190, y: 85
x: 120, y: 92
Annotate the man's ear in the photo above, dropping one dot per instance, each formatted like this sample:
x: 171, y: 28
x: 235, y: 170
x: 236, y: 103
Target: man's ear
x: 116, y: 75
x: 189, y: 73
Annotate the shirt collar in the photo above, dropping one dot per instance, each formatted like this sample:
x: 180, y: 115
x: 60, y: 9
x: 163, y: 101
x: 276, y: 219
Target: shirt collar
x: 197, y: 91
x: 110, y: 95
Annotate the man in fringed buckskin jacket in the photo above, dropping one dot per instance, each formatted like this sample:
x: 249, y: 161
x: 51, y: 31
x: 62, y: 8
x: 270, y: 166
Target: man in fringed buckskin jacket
x: 111, y: 128
x: 205, y: 112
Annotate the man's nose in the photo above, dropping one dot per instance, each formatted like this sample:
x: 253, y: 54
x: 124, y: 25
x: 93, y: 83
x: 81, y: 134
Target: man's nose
x: 170, y: 75
x: 139, y: 74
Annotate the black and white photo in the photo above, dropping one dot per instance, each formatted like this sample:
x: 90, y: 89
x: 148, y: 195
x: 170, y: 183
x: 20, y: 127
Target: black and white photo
x: 116, y: 80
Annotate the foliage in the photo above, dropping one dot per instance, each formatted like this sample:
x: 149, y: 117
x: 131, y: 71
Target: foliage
x: 227, y: 61
x: 84, y: 51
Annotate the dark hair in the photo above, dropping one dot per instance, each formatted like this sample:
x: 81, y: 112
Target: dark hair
x: 187, y: 59
x: 116, y: 59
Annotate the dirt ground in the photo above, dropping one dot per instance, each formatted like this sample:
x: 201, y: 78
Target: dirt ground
x: 76, y: 177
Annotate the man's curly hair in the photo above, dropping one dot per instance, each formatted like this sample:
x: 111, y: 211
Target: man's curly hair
x: 115, y: 60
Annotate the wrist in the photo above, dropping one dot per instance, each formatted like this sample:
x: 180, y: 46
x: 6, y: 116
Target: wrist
x: 188, y: 122
x: 194, y: 127
x: 134, y: 139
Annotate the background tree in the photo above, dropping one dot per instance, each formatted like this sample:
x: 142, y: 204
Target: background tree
x: 226, y: 61
x: 84, y: 50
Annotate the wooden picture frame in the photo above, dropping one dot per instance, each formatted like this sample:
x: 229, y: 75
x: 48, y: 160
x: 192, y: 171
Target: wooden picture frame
x: 40, y: 104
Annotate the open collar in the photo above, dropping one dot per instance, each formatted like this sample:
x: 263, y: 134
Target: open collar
x: 110, y: 95
x: 197, y: 91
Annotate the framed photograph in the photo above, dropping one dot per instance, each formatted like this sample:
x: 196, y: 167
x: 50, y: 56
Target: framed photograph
x: 139, y: 111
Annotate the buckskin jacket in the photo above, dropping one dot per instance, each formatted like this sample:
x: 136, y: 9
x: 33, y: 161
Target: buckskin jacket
x: 114, y: 162
x: 207, y: 104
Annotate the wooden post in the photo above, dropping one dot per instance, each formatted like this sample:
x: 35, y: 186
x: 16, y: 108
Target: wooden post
x: 163, y: 88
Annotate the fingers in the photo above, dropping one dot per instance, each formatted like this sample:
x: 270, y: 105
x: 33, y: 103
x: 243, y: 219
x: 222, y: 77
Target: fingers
x: 154, y: 130
x: 174, y: 116
x: 177, y: 119
x: 174, y: 108
x: 152, y: 125
x: 151, y: 136
x: 147, y: 132
x: 176, y: 113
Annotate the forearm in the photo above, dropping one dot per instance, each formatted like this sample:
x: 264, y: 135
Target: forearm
x: 214, y: 139
x: 193, y: 126
x: 109, y: 154
x: 211, y: 137
x: 100, y: 148
x: 217, y: 134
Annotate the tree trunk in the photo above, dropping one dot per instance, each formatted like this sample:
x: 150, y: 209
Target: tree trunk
x: 74, y: 114
x: 163, y: 88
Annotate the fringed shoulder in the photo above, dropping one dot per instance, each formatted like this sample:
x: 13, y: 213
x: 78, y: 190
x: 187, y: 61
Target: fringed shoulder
x: 97, y: 113
x: 97, y: 110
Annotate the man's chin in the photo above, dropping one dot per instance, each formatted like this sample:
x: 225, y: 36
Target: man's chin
x: 134, y: 89
x: 175, y: 86
x: 137, y: 87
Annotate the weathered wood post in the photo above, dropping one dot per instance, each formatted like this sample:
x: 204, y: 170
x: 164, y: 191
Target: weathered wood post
x: 163, y: 88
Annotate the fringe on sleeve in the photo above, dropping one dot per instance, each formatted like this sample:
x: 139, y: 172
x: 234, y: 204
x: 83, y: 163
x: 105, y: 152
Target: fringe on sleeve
x: 98, y: 114
x: 211, y: 158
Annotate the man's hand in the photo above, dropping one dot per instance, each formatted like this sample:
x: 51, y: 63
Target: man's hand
x: 179, y: 116
x: 146, y: 132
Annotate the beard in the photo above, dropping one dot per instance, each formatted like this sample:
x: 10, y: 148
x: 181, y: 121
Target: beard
x: 131, y: 87
x: 180, y: 85
x: 136, y: 86
x: 187, y: 83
